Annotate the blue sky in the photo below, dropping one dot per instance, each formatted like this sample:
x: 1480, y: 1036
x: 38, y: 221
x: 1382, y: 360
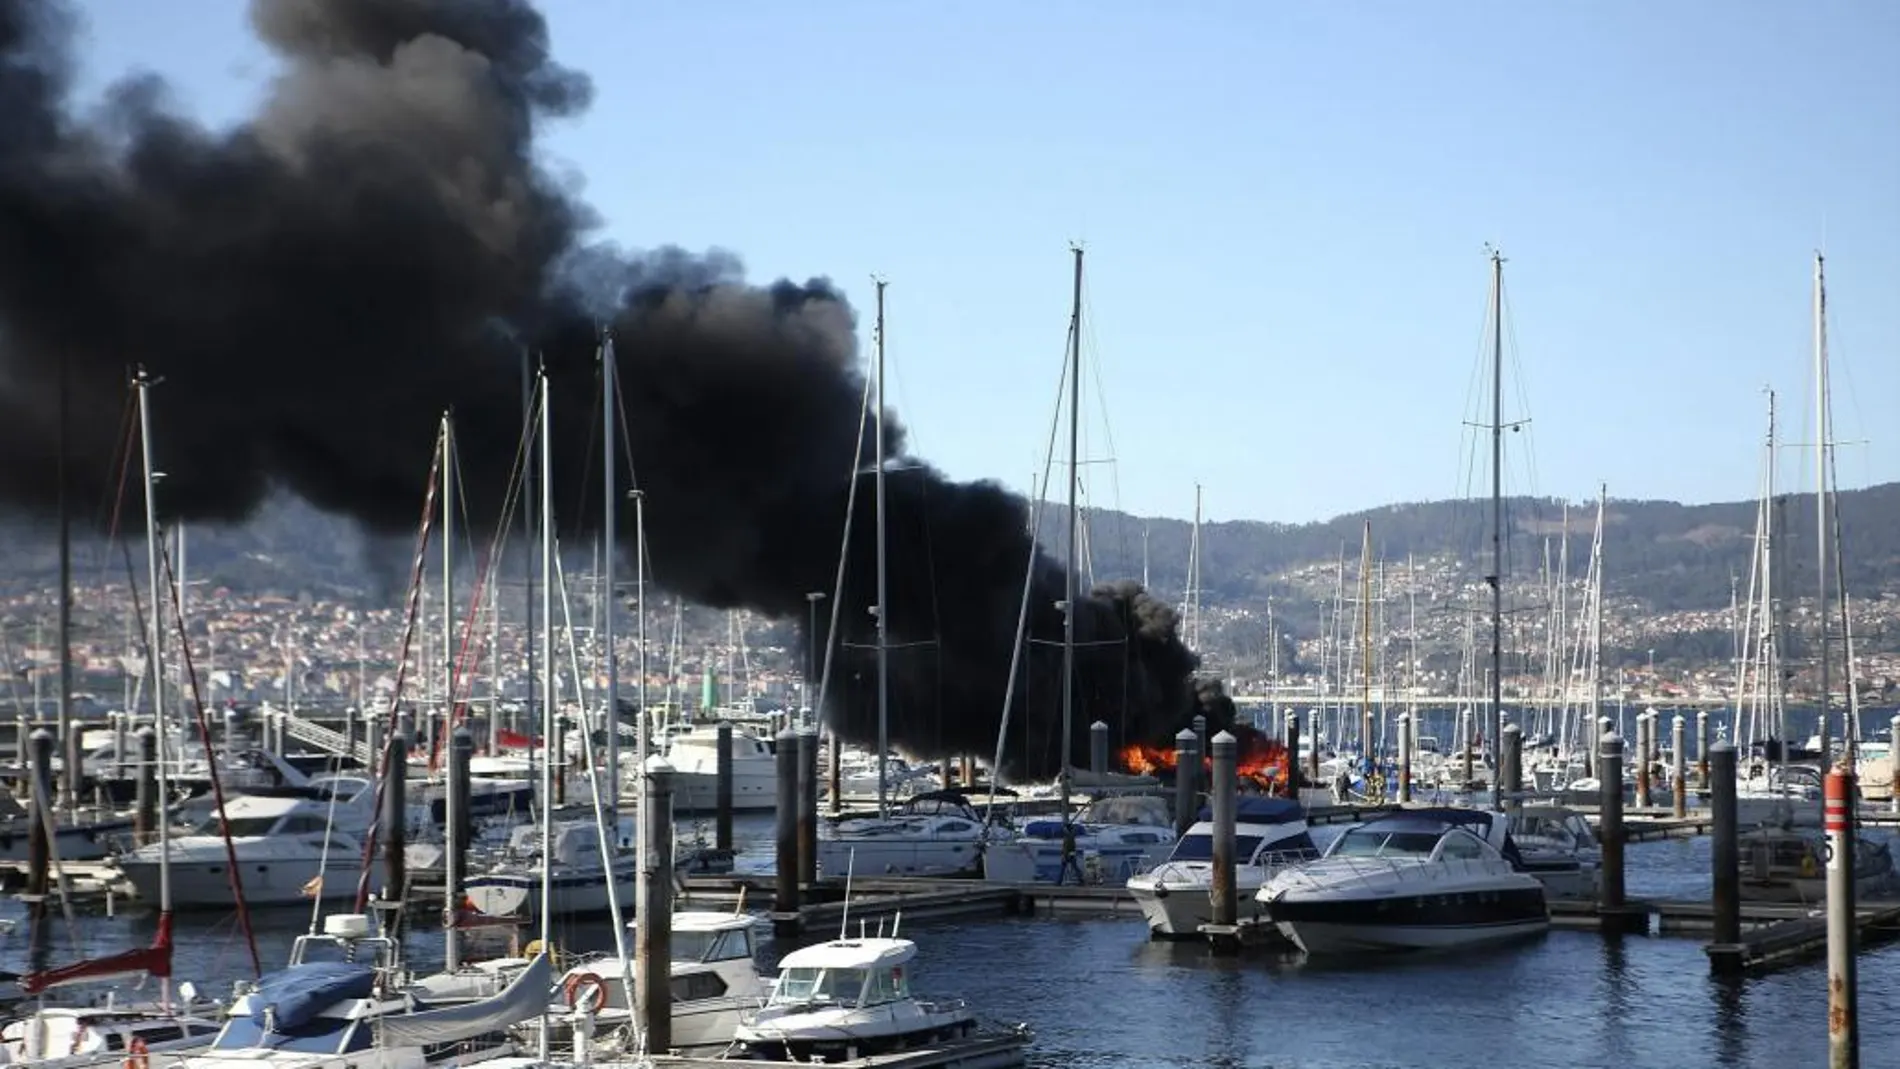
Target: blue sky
x: 1285, y: 207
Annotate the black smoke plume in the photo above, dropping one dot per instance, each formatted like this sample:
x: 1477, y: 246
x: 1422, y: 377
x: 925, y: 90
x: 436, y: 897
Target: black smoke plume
x: 378, y: 243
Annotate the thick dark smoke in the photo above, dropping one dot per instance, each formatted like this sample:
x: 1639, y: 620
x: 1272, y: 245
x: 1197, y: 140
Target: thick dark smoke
x: 378, y: 243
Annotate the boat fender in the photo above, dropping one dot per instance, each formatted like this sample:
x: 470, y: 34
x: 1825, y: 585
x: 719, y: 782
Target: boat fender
x: 1807, y: 865
x: 137, y: 1058
x: 586, y: 992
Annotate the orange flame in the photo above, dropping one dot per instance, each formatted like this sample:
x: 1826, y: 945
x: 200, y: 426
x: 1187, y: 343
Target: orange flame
x: 1261, y: 759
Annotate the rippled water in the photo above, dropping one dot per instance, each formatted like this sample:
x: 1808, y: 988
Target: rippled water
x: 1099, y: 993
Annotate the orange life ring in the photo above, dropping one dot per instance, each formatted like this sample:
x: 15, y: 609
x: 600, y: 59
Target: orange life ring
x: 577, y: 990
x: 138, y: 1058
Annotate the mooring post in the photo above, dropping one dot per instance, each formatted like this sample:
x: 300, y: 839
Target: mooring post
x: 395, y: 822
x: 1511, y: 764
x: 1200, y: 737
x: 722, y: 787
x: 40, y: 806
x: 785, y: 861
x: 1185, y: 762
x: 1290, y: 731
x: 1223, y: 797
x: 1312, y: 749
x: 807, y: 806
x: 968, y: 771
x: 373, y: 738
x: 1405, y: 758
x: 653, y: 931
x: 1098, y: 750
x: 1643, y: 727
x: 145, y: 800
x: 1725, y: 848
x: 1702, y: 749
x: 121, y: 743
x: 455, y: 834
x: 834, y: 773
x: 1843, y: 981
x: 1610, y: 823
x: 1679, y: 765
x: 1470, y: 744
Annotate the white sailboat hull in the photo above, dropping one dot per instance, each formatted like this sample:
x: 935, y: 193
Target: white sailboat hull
x: 278, y: 881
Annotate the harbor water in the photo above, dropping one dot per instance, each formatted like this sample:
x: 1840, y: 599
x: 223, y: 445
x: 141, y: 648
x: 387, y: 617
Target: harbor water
x: 1096, y: 992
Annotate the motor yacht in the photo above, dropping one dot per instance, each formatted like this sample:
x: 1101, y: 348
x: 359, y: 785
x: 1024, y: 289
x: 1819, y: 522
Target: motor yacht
x: 1414, y: 881
x: 694, y: 755
x: 847, y: 999
x: 1269, y: 835
x: 1114, y: 838
x: 937, y: 833
x: 512, y: 886
x: 1555, y: 845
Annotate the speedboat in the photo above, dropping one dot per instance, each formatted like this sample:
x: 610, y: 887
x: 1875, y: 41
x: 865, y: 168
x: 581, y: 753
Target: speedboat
x: 581, y: 873
x: 1269, y: 835
x: 694, y: 755
x: 1786, y: 865
x: 714, y: 981
x: 1113, y: 839
x: 290, y: 848
x: 937, y: 833
x: 1414, y: 881
x: 847, y: 999
x: 1556, y: 845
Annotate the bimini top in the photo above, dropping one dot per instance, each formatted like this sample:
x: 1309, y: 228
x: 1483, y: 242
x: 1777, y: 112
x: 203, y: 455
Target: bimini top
x: 865, y: 953
x: 1259, y: 809
x: 298, y: 994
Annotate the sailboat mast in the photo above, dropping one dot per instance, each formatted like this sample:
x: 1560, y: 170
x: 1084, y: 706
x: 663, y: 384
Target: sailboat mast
x: 451, y: 813
x: 154, y: 654
x: 68, y: 737
x: 1365, y: 647
x: 548, y: 720
x: 1069, y: 567
x: 883, y: 588
x: 1496, y: 578
x: 1596, y: 638
x: 1820, y: 490
x: 610, y: 507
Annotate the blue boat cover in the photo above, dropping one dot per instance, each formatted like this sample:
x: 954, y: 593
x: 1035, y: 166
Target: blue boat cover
x: 297, y: 994
x: 1259, y: 809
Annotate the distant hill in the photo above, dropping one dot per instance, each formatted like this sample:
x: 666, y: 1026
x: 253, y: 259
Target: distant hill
x: 1665, y: 556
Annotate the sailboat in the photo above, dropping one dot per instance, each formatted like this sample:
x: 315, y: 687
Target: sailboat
x: 1117, y: 838
x: 63, y: 1037
x: 937, y: 833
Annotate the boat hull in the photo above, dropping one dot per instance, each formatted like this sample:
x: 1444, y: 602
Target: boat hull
x: 85, y: 842
x: 1177, y: 909
x: 754, y: 790
x: 511, y: 895
x: 897, y: 856
x: 1433, y: 920
x: 279, y: 881
x: 848, y: 1044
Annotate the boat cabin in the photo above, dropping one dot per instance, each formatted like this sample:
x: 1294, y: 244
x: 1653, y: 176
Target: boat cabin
x: 845, y: 972
x: 1413, y: 838
x: 1266, y: 831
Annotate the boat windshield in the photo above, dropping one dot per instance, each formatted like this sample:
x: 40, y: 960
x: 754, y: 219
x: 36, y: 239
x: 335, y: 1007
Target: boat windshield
x: 241, y: 827
x: 1200, y: 847
x: 1379, y: 842
x: 799, y: 986
x: 728, y: 945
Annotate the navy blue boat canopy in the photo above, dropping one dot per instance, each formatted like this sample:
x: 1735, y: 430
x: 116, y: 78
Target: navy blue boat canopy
x: 1259, y: 809
x: 297, y: 994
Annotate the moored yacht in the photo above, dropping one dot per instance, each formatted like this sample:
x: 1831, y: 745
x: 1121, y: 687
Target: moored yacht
x: 714, y: 980
x: 847, y: 999
x: 287, y: 847
x: 1115, y: 837
x: 1555, y: 845
x: 694, y: 755
x: 1269, y: 835
x: 1414, y: 881
x: 580, y: 873
x: 933, y: 834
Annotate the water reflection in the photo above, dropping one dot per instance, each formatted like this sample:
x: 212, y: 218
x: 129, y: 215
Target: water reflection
x: 1729, y: 994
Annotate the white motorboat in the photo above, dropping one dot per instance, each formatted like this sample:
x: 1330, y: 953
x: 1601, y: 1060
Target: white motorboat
x: 1269, y: 835
x: 933, y: 834
x: 694, y: 755
x: 99, y: 1037
x: 332, y: 1013
x: 1114, y: 838
x: 714, y: 979
x: 1555, y: 845
x: 1414, y: 881
x: 581, y: 871
x: 283, y: 845
x: 847, y: 999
